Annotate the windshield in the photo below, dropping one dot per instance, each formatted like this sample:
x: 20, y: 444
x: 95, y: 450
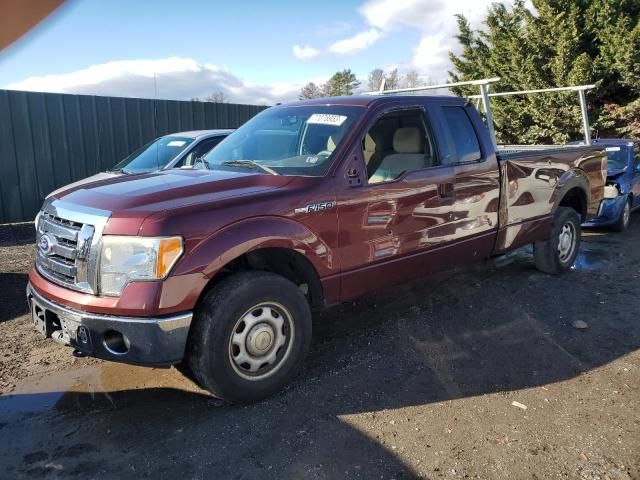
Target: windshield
x: 286, y: 140
x: 154, y: 155
x: 616, y: 158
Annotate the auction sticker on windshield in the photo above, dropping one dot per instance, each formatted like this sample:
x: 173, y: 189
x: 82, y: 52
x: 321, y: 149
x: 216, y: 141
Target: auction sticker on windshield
x: 327, y: 119
x: 176, y: 143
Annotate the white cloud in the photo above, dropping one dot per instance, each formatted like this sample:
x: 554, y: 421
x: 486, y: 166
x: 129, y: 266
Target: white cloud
x: 175, y: 78
x: 435, y: 19
x: 431, y: 54
x: 387, y: 14
x: 360, y: 41
x: 304, y: 53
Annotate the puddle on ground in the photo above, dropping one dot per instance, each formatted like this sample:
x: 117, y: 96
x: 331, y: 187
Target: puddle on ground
x: 590, y: 258
x: 107, y: 385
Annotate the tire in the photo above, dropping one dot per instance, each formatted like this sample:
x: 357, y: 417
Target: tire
x: 625, y: 217
x: 249, y: 336
x: 557, y: 255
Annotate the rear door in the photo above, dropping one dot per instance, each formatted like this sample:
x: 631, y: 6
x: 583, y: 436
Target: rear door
x: 474, y: 220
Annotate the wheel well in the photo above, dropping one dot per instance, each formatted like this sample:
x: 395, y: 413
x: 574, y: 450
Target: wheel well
x: 283, y: 261
x: 576, y: 199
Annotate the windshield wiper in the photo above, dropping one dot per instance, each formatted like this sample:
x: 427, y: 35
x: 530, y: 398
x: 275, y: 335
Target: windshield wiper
x: 249, y: 164
x: 119, y: 170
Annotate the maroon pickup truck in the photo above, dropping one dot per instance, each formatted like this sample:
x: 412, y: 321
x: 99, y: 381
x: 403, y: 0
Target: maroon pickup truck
x: 307, y: 204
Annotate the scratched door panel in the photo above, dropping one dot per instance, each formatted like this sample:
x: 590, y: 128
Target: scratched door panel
x: 475, y: 214
x: 386, y: 230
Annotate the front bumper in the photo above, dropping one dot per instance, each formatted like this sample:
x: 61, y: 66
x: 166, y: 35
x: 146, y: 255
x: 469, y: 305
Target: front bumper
x: 608, y: 213
x: 136, y: 340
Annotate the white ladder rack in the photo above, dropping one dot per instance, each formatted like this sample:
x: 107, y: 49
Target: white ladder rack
x: 485, y: 96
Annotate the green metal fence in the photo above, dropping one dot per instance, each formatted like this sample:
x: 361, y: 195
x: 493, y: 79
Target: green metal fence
x: 48, y: 140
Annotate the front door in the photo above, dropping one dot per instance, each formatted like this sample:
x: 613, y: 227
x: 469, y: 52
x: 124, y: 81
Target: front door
x: 403, y: 212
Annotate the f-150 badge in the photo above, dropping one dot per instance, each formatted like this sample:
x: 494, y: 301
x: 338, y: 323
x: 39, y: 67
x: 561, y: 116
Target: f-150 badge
x: 315, y: 207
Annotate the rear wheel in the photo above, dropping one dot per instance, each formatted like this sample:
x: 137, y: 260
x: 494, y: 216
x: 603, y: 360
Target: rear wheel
x: 557, y: 255
x: 249, y: 337
x: 625, y: 217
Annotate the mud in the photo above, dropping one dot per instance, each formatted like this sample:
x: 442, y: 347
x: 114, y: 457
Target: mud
x: 416, y: 382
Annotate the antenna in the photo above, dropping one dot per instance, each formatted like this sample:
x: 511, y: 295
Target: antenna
x: 155, y: 116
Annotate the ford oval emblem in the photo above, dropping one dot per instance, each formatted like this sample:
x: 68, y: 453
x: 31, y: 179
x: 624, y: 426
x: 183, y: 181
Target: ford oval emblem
x: 46, y: 244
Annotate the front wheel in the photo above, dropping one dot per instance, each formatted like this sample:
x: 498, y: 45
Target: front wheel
x: 557, y: 255
x: 625, y: 217
x: 249, y: 337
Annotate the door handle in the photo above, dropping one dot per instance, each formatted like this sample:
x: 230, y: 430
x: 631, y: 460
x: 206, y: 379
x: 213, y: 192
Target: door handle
x: 445, y: 190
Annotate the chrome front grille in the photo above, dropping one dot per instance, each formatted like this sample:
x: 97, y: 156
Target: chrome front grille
x: 67, y: 243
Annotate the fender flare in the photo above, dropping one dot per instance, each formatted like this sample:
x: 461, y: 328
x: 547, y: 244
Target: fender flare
x: 573, y: 178
x: 237, y: 239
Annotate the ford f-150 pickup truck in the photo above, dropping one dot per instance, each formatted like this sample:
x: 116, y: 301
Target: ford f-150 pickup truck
x: 308, y: 204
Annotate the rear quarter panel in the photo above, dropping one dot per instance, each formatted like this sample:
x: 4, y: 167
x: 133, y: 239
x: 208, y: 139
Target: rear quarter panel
x: 534, y: 183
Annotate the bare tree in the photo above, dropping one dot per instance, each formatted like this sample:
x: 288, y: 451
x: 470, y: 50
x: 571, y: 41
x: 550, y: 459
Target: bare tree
x: 392, y: 80
x: 310, y: 90
x: 376, y: 76
x: 217, y: 97
x: 411, y: 80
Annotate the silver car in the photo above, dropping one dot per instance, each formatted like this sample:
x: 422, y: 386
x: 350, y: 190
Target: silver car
x: 176, y: 150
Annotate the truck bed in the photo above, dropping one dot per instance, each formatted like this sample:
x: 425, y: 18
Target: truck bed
x: 533, y: 178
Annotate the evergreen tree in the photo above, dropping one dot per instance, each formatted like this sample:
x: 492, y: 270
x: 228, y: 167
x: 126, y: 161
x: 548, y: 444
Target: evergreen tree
x: 341, y: 83
x: 565, y: 42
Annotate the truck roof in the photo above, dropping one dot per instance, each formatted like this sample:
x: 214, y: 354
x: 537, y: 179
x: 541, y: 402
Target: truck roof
x: 371, y: 100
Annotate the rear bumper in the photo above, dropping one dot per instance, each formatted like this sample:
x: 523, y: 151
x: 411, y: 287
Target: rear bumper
x: 608, y: 213
x: 136, y: 340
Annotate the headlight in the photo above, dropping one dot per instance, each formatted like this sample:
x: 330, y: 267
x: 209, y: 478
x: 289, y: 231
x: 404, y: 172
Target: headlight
x: 126, y: 259
x: 611, y: 191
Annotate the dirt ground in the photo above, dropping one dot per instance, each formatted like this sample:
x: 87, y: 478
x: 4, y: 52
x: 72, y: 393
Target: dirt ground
x: 477, y: 373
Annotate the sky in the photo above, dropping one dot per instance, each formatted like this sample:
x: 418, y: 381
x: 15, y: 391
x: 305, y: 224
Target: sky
x: 256, y: 52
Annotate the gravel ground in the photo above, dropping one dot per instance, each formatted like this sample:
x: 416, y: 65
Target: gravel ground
x: 477, y: 373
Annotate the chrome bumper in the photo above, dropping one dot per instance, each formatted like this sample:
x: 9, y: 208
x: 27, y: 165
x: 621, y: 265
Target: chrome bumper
x: 137, y: 340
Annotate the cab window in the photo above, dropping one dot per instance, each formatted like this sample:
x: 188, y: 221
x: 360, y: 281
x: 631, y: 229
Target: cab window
x: 465, y: 140
x: 398, y: 142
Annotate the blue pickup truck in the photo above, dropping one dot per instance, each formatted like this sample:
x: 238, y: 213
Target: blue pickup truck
x: 622, y: 192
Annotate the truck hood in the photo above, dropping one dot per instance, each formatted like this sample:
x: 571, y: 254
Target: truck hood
x: 141, y: 195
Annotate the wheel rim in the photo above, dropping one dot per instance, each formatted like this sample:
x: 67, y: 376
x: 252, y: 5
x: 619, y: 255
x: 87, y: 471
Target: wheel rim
x: 261, y: 341
x: 566, y: 242
x: 626, y: 214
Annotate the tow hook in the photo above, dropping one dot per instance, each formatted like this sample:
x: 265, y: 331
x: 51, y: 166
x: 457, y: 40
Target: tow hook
x: 78, y: 354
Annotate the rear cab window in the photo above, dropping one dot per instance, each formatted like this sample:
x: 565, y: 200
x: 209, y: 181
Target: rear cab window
x: 462, y: 145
